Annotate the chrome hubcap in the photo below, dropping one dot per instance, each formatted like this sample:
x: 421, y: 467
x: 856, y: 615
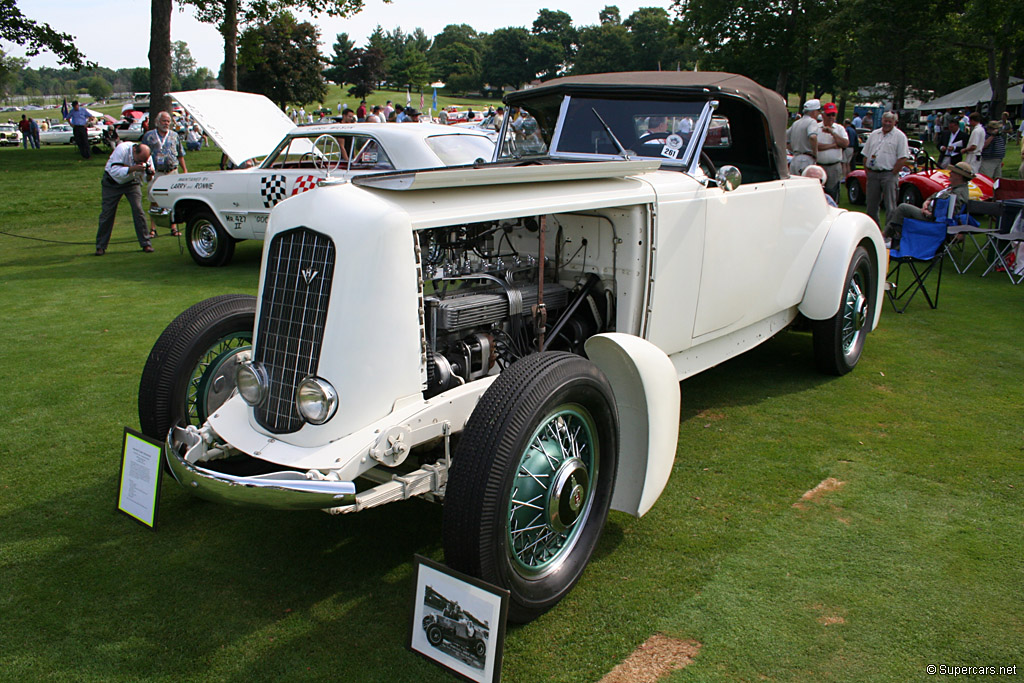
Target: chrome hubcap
x: 213, y: 378
x: 204, y: 239
x: 552, y: 490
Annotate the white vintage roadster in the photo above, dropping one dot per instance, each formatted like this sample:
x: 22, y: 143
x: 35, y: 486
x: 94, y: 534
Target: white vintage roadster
x: 508, y: 339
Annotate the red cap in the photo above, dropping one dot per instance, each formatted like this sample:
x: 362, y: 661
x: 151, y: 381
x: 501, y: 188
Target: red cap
x: 831, y: 108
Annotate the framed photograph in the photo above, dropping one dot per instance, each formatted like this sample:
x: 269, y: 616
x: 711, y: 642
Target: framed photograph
x: 141, y: 470
x: 458, y: 622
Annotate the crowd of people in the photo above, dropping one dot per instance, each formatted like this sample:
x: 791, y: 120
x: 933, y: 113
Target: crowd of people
x: 395, y: 113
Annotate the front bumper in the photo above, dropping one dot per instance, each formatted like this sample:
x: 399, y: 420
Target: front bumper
x: 160, y: 216
x: 286, y: 490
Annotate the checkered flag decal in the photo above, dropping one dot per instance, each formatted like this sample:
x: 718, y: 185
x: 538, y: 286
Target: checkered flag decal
x: 273, y: 189
x: 303, y: 183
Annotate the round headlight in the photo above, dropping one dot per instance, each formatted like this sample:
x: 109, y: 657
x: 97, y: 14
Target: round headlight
x: 251, y: 380
x: 316, y: 400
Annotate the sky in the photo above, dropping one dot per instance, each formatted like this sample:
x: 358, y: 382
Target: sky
x: 115, y: 34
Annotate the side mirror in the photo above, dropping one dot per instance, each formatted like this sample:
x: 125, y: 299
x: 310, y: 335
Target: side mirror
x: 728, y: 178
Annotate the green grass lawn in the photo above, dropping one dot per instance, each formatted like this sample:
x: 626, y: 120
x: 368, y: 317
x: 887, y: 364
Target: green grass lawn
x: 915, y: 559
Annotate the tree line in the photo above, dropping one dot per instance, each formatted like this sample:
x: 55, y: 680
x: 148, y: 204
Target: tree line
x: 810, y: 47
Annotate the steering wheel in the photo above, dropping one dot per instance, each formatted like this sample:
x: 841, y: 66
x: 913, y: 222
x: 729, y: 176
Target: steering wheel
x: 308, y: 156
x: 707, y: 165
x: 649, y: 138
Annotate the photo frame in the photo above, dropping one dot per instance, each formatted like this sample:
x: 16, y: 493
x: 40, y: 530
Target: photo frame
x: 457, y: 621
x: 140, y: 477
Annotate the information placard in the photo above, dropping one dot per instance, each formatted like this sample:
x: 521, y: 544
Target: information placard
x: 140, y: 478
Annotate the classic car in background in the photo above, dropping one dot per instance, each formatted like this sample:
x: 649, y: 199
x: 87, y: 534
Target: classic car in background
x: 918, y: 183
x: 509, y: 338
x: 276, y: 161
x: 64, y: 134
x: 10, y: 136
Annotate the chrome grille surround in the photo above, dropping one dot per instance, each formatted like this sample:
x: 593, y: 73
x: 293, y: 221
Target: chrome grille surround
x: 293, y: 310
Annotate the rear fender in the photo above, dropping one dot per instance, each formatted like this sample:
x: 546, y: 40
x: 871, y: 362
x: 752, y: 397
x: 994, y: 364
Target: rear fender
x: 828, y: 275
x: 646, y: 390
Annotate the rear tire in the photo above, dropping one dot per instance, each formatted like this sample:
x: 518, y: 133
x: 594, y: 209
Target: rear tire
x: 853, y: 191
x: 189, y: 372
x: 208, y: 243
x: 839, y: 340
x: 910, y: 195
x: 531, y: 480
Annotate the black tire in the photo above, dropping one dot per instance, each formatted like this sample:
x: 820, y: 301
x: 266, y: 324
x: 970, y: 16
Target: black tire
x: 434, y: 635
x: 531, y: 401
x: 188, y: 373
x: 854, y: 192
x: 910, y: 195
x: 208, y: 243
x: 839, y: 340
x: 479, y: 648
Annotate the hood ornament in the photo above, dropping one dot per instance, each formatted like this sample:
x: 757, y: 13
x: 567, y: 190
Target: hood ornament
x: 308, y: 274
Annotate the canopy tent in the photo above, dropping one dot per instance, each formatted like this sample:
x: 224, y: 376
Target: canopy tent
x: 973, y: 95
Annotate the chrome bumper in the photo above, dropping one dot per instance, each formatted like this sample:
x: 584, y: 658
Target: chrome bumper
x: 160, y: 216
x: 278, y: 490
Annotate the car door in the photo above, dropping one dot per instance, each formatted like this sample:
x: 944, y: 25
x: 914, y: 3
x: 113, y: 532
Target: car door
x: 290, y: 172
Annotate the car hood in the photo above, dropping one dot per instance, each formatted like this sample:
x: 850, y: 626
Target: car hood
x: 244, y: 125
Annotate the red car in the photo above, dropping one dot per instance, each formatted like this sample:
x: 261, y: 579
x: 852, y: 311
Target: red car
x: 914, y: 188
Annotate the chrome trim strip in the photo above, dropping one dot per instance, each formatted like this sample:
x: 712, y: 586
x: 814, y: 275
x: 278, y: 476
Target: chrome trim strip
x: 277, y: 491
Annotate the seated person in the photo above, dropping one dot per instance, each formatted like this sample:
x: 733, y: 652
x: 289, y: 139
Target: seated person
x: 657, y: 131
x: 815, y: 171
x: 195, y: 139
x: 958, y: 191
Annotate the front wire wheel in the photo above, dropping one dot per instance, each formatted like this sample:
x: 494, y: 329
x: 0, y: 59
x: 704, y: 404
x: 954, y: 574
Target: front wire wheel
x: 532, y: 479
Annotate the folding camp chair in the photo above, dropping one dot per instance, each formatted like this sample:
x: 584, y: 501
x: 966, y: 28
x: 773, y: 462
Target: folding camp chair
x: 920, y: 250
x: 963, y: 230
x: 1002, y: 245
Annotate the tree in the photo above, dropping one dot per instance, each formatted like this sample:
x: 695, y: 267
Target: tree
x: 99, y: 88
x: 455, y: 57
x: 200, y: 78
x: 506, y: 59
x: 15, y: 27
x: 412, y: 69
x: 228, y: 15
x: 159, y: 56
x: 556, y: 27
x: 605, y: 47
x: 140, y: 79
x: 654, y: 42
x: 182, y: 63
x: 10, y: 67
x: 281, y: 59
x: 339, y: 61
x: 998, y: 29
x: 609, y: 15
x: 365, y: 68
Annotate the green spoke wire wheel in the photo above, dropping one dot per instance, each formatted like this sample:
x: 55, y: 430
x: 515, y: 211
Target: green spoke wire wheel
x: 190, y: 371
x: 551, y: 490
x: 531, y: 480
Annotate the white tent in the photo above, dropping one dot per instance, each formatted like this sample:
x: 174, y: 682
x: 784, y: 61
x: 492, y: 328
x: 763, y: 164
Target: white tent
x: 973, y: 95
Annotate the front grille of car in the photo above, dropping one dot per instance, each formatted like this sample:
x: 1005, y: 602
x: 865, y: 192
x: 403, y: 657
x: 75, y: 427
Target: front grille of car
x: 296, y: 293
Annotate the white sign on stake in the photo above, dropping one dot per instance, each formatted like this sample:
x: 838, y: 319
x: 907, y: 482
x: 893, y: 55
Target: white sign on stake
x: 140, y: 477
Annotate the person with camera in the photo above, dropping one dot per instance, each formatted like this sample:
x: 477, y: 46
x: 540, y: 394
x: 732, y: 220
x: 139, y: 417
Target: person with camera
x: 168, y: 156
x: 122, y: 177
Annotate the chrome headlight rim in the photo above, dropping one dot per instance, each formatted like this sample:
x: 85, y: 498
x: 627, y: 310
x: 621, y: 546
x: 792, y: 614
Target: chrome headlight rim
x: 310, y: 391
x: 251, y: 377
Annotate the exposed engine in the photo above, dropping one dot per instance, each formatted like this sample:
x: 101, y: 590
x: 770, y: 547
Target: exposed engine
x: 486, y: 304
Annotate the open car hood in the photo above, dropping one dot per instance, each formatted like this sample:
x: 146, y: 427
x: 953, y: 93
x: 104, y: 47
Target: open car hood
x: 244, y: 125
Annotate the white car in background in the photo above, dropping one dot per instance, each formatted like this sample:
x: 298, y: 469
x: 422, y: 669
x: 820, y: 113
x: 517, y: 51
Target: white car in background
x: 274, y: 160
x: 9, y: 135
x: 64, y: 134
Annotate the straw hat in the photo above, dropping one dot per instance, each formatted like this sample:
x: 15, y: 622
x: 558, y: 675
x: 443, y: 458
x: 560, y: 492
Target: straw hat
x: 962, y: 168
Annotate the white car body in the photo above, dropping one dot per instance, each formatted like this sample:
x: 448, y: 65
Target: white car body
x: 416, y: 297
x: 9, y: 135
x: 250, y: 127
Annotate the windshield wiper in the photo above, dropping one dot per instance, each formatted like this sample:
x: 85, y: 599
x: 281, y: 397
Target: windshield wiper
x: 622, y: 150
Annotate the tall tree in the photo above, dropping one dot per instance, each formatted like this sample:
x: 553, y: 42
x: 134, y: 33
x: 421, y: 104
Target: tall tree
x: 281, y: 59
x: 364, y: 71
x: 339, y: 59
x: 229, y: 15
x: 610, y: 15
x: 996, y: 30
x: 16, y: 28
x: 605, y: 47
x: 506, y: 59
x: 455, y: 57
x: 183, y: 64
x: 412, y: 69
x: 159, y: 57
x: 556, y: 26
x: 653, y: 39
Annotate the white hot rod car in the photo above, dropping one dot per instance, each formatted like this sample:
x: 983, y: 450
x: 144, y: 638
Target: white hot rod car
x: 276, y: 160
x: 508, y: 339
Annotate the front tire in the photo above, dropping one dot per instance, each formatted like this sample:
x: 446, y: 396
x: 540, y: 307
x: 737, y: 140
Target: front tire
x: 839, y: 340
x: 208, y: 243
x: 434, y: 635
x: 531, y: 480
x: 190, y: 371
x: 853, y: 191
x: 910, y: 195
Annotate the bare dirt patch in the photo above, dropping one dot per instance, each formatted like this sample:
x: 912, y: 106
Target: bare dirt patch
x: 830, y: 616
x: 815, y: 494
x: 655, y: 658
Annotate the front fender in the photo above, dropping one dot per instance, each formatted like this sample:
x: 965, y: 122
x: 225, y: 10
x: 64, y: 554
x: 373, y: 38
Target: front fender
x: 646, y: 392
x: 828, y: 275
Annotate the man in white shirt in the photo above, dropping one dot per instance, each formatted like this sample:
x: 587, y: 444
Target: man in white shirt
x: 798, y: 138
x: 828, y: 143
x: 886, y: 152
x: 972, y: 152
x: 122, y: 178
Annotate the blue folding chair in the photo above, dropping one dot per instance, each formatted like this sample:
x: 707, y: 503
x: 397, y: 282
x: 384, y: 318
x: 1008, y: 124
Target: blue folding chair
x: 921, y: 248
